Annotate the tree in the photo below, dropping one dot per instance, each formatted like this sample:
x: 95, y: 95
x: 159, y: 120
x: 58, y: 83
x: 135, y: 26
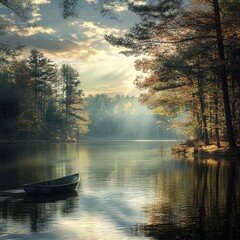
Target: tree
x: 54, y: 121
x: 30, y: 107
x: 43, y: 74
x: 168, y: 25
x: 223, y: 71
x: 20, y: 76
x: 9, y: 105
x: 75, y: 119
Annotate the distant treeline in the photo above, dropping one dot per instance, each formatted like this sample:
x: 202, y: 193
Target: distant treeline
x: 39, y: 101
x: 124, y: 117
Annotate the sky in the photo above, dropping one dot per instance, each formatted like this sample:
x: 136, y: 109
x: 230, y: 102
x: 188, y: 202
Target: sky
x: 79, y: 41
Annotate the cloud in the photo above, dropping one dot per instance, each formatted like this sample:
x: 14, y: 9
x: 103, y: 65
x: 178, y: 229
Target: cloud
x: 120, y: 8
x: 80, y: 42
x: 138, y: 2
x: 90, y: 31
x: 61, y: 50
x: 115, y: 6
x: 92, y: 1
x: 97, y: 31
x: 39, y: 2
x: 74, y: 35
x: 65, y: 51
x: 36, y: 16
x: 72, y: 53
x: 111, y: 74
x: 30, y: 31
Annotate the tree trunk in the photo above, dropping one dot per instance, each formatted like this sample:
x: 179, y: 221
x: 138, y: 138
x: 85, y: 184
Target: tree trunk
x: 216, y: 121
x: 223, y: 71
x: 202, y: 105
x: 234, y: 97
x: 198, y: 128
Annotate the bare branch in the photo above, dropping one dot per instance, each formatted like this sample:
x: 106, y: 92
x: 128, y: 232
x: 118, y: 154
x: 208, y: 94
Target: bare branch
x: 15, y: 11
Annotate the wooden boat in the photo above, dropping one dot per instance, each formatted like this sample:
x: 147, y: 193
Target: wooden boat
x: 57, y: 186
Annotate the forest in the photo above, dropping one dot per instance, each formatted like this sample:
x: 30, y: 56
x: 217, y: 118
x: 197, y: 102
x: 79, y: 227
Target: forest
x: 191, y: 55
x: 189, y: 65
x: 39, y: 101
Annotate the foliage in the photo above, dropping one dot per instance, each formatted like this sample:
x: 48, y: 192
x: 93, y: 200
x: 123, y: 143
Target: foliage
x: 30, y: 106
x: 72, y: 103
x: 192, y: 51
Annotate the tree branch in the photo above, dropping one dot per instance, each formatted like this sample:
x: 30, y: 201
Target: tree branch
x: 5, y: 3
x: 171, y: 86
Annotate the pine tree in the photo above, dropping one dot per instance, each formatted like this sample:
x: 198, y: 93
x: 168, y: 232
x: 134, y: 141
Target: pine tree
x: 43, y: 74
x: 75, y: 119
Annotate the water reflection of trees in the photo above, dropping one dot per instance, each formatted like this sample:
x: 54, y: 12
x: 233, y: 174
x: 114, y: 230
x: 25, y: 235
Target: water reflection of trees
x: 198, y: 200
x: 25, y: 163
x: 38, y: 211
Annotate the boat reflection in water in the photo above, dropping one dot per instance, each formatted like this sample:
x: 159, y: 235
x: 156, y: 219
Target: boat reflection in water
x: 45, y: 208
x: 39, y: 211
x: 47, y: 198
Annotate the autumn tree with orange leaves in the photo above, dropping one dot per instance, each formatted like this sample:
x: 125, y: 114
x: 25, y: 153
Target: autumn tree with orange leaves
x: 192, y: 57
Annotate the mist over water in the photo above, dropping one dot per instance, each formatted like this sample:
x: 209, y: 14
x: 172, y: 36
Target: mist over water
x: 123, y: 117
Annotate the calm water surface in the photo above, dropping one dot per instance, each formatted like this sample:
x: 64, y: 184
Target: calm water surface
x: 128, y: 190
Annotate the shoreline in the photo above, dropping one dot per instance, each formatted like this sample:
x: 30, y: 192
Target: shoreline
x: 84, y: 139
x: 32, y: 141
x: 199, y: 150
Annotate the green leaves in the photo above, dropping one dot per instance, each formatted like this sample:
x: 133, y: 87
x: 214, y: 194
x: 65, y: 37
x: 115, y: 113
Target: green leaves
x: 36, y: 104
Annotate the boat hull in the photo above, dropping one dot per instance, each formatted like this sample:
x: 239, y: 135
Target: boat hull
x: 61, y: 185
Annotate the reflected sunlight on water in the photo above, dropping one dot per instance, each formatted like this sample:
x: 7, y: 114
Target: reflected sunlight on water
x: 128, y: 190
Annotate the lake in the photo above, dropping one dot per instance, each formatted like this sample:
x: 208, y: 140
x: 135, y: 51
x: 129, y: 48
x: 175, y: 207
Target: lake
x: 128, y: 190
